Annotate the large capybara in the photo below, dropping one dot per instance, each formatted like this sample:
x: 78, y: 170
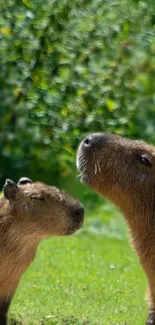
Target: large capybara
x: 29, y: 212
x: 124, y: 171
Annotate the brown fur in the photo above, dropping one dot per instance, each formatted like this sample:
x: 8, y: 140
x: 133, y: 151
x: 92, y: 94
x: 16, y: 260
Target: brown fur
x: 29, y: 213
x: 124, y: 171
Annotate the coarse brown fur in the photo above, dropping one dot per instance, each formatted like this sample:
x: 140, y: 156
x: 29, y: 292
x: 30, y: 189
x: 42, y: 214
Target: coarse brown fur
x: 30, y: 212
x: 124, y: 171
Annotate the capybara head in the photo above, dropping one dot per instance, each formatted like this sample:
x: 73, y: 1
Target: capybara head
x: 41, y: 209
x: 117, y: 168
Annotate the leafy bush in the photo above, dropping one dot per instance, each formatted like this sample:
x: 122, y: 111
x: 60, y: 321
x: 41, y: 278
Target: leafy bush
x: 67, y: 69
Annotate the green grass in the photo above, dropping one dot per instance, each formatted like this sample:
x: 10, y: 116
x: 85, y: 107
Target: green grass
x: 91, y: 278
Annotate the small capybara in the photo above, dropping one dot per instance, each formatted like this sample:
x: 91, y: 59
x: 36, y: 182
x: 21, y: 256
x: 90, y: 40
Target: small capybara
x: 124, y: 171
x: 29, y: 212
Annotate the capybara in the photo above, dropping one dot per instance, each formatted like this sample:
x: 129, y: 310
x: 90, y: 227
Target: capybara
x: 124, y: 171
x: 29, y: 212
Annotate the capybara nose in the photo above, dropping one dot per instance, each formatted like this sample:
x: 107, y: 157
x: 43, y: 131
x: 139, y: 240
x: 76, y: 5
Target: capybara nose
x: 78, y: 215
x: 93, y: 140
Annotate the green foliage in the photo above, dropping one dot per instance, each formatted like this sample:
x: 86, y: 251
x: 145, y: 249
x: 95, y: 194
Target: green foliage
x: 69, y: 68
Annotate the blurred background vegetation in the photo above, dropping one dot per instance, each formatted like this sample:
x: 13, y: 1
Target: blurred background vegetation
x: 68, y: 68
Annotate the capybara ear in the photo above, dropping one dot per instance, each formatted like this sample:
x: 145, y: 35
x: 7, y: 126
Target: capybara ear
x: 10, y: 189
x: 24, y: 180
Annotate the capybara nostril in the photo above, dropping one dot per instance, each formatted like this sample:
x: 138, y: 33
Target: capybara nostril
x: 88, y: 142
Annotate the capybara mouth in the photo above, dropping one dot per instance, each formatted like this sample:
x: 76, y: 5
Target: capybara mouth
x: 78, y: 226
x: 83, y: 177
x: 75, y: 228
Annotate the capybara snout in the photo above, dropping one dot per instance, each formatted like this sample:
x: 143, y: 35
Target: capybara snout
x: 94, y: 140
x: 77, y: 217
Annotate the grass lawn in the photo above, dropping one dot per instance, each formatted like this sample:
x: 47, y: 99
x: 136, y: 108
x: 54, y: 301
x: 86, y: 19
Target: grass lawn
x: 91, y: 278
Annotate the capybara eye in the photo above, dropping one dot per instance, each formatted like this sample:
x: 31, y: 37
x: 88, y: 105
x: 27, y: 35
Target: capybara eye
x: 145, y: 160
